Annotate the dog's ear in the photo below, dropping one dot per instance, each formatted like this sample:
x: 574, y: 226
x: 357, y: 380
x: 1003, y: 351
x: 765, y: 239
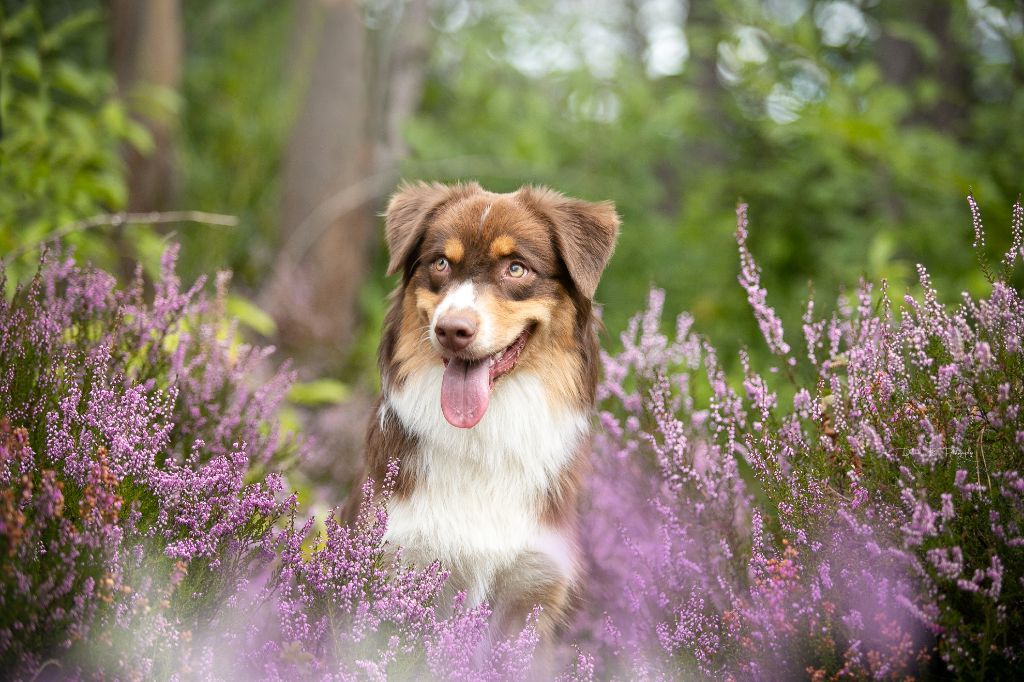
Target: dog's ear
x: 409, y: 210
x: 585, y: 233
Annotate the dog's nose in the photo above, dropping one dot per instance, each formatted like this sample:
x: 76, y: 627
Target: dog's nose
x: 455, y: 332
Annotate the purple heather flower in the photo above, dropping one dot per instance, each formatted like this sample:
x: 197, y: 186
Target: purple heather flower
x: 750, y: 279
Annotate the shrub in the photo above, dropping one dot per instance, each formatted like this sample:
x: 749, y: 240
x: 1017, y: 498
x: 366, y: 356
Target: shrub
x: 869, y: 524
x: 144, y: 527
x: 63, y: 128
x: 129, y: 440
x: 352, y: 609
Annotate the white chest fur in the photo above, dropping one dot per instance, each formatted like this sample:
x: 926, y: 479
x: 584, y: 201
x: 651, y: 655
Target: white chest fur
x: 479, y: 492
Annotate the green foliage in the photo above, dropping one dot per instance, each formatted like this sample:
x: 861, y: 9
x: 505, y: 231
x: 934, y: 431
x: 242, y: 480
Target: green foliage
x: 238, y: 102
x: 62, y: 131
x: 849, y: 165
x: 250, y: 315
x: 318, y: 392
x: 849, y: 170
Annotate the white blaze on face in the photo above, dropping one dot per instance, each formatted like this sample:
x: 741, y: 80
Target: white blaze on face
x: 465, y: 391
x: 463, y: 298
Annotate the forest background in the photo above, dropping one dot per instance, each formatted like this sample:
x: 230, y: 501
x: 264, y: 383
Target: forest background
x: 853, y: 130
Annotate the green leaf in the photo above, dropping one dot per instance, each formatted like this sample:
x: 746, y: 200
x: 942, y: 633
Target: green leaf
x: 921, y: 39
x: 289, y: 420
x: 155, y: 102
x: 318, y: 392
x: 881, y: 251
x: 25, y: 63
x: 72, y: 79
x: 108, y: 188
x: 58, y: 35
x: 149, y: 247
x: 17, y: 24
x: 250, y: 315
x: 138, y: 136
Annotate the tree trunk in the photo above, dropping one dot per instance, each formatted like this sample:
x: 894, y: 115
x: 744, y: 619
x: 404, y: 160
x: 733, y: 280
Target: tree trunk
x: 146, y: 52
x: 313, y: 295
x: 340, y: 159
x: 403, y: 74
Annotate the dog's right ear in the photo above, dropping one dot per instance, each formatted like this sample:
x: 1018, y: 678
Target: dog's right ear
x: 409, y: 211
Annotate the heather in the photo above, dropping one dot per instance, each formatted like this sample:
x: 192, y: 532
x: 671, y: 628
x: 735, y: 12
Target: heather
x: 847, y: 502
x: 852, y: 510
x: 146, y: 527
x: 130, y: 440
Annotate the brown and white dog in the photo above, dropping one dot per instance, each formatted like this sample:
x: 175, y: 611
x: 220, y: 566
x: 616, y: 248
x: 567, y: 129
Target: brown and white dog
x: 489, y: 361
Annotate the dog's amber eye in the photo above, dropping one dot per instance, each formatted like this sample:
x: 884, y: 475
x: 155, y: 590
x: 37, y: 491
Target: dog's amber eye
x: 516, y: 270
x: 441, y: 264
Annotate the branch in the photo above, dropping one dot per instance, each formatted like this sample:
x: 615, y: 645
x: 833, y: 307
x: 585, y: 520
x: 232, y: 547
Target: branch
x: 122, y: 218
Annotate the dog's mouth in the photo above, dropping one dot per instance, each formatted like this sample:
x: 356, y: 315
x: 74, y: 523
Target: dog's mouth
x: 466, y: 385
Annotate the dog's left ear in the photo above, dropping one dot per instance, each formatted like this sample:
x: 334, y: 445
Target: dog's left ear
x: 409, y: 211
x: 585, y: 233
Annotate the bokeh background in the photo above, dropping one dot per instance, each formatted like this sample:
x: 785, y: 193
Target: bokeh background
x: 854, y: 129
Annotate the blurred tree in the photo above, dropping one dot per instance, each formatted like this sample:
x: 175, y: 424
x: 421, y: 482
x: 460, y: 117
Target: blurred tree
x: 146, y: 49
x: 146, y: 53
x: 238, y: 98
x: 365, y: 73
x: 853, y: 128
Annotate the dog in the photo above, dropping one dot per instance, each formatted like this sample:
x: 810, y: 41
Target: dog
x: 489, y: 364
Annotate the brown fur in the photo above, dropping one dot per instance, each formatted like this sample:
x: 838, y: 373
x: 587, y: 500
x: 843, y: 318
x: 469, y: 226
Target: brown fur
x: 532, y: 581
x: 565, y: 243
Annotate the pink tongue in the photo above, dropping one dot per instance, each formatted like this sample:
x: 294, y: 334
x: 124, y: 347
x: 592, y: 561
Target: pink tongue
x: 465, y: 390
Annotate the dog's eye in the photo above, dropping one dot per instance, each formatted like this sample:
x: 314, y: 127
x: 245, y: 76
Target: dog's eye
x: 441, y: 264
x: 516, y: 270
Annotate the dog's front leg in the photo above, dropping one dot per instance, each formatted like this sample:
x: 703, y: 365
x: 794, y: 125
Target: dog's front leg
x: 534, y: 579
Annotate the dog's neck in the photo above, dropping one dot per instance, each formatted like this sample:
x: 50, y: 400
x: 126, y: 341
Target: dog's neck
x: 524, y: 432
x: 484, y: 495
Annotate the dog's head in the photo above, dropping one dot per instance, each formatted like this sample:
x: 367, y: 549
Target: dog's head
x: 490, y: 281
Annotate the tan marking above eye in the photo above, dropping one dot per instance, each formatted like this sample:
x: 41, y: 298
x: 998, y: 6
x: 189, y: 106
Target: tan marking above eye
x: 454, y: 250
x: 502, y: 246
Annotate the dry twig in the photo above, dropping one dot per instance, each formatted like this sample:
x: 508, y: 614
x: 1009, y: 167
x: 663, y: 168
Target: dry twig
x: 123, y: 218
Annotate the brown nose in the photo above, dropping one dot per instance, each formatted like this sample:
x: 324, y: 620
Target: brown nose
x: 455, y: 332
